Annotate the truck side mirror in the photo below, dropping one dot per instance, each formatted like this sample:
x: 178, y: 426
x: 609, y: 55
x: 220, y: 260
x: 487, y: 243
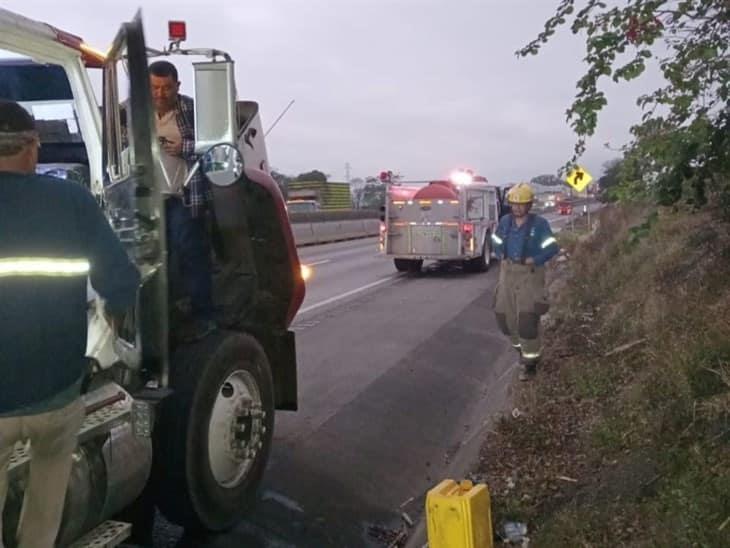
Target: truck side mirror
x: 382, y: 214
x: 216, y: 120
x: 222, y: 164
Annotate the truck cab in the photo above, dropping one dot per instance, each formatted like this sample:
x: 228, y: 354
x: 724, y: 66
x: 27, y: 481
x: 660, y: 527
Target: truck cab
x: 190, y: 425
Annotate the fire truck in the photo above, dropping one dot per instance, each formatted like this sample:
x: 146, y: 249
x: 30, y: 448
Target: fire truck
x: 186, y: 425
x: 449, y: 220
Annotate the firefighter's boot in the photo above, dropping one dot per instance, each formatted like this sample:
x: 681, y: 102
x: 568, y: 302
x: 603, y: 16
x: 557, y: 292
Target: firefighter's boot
x: 529, y: 369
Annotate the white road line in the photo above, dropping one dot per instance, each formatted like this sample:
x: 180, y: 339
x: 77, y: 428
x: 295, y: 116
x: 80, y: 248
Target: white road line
x: 347, y: 294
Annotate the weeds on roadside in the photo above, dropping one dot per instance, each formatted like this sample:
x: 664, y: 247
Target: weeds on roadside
x: 634, y: 401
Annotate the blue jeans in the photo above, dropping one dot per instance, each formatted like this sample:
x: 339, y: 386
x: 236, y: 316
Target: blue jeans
x: 189, y: 257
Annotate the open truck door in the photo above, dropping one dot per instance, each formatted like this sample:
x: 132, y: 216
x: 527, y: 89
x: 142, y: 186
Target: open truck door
x: 133, y: 200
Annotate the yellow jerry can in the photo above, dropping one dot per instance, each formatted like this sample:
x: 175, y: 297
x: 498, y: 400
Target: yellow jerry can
x: 459, y: 515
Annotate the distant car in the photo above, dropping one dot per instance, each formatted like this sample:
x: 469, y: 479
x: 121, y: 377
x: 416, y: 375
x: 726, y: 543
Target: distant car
x: 302, y: 206
x: 565, y: 208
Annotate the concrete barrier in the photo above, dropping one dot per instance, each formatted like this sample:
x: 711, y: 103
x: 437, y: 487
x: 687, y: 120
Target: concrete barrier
x: 310, y: 233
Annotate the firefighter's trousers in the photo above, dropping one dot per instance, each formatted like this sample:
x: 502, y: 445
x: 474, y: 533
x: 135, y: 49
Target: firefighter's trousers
x: 520, y: 300
x: 53, y: 439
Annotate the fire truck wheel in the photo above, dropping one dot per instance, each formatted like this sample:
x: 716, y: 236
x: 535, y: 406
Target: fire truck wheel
x: 408, y: 265
x: 213, y: 434
x: 481, y: 263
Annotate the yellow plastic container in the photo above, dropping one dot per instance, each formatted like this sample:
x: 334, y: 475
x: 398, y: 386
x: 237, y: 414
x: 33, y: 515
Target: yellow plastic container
x: 459, y: 515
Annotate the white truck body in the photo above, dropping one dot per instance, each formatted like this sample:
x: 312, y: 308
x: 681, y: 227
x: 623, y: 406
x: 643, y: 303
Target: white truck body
x: 440, y: 221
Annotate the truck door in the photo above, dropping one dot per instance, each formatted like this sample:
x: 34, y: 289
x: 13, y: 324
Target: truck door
x: 132, y: 195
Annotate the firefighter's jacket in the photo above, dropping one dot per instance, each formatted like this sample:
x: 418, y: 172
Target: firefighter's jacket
x: 533, y: 239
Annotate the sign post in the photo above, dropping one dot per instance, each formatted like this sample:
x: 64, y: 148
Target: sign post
x: 579, y: 179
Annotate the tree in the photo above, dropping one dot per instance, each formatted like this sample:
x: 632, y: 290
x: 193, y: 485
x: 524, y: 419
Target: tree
x: 370, y: 195
x: 373, y: 196
x: 283, y: 182
x: 363, y: 193
x: 546, y: 180
x: 314, y: 175
x: 682, y: 141
x: 357, y: 185
x: 610, y: 178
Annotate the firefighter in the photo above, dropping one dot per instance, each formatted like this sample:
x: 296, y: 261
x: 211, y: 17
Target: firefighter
x: 525, y: 243
x: 53, y: 237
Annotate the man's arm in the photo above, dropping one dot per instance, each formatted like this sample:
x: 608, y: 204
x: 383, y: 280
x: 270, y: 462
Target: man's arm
x: 113, y: 275
x: 548, y: 245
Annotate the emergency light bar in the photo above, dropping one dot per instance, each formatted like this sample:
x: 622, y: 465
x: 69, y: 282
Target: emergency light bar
x: 461, y: 178
x: 176, y: 31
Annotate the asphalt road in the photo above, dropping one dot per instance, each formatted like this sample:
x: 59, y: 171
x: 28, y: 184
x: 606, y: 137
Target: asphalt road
x: 396, y: 371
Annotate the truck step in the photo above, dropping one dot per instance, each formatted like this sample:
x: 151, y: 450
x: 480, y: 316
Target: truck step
x: 93, y: 423
x: 107, y: 535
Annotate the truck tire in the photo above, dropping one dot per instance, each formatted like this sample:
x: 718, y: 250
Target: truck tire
x: 408, y: 265
x: 213, y: 434
x: 481, y: 263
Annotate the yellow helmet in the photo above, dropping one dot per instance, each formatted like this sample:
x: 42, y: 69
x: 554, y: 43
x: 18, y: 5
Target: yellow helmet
x: 521, y: 193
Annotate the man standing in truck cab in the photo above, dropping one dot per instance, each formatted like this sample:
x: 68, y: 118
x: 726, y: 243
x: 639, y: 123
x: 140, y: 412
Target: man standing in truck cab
x: 185, y: 204
x: 524, y: 242
x: 53, y: 237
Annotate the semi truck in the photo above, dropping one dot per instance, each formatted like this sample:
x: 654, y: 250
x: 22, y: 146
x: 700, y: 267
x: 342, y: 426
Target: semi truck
x: 185, y: 425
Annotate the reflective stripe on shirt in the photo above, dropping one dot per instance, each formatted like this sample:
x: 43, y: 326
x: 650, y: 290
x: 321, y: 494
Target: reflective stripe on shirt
x: 547, y: 241
x: 43, y: 266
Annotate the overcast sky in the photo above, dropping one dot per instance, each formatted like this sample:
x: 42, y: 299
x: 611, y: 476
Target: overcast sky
x: 416, y: 86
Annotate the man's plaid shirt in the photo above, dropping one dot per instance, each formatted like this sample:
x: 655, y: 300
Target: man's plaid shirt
x: 196, y: 194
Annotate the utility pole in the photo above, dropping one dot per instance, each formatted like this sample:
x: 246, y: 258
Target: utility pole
x: 572, y: 210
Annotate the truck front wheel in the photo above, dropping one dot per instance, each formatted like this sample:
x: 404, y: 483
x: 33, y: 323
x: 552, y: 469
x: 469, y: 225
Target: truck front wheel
x: 214, y: 432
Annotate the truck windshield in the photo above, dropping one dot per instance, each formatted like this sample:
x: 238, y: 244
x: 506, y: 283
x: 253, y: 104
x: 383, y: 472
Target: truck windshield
x: 22, y: 80
x: 44, y: 90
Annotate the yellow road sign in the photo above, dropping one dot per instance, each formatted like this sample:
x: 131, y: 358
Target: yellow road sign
x: 579, y: 179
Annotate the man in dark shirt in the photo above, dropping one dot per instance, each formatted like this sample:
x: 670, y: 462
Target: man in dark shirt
x: 53, y: 237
